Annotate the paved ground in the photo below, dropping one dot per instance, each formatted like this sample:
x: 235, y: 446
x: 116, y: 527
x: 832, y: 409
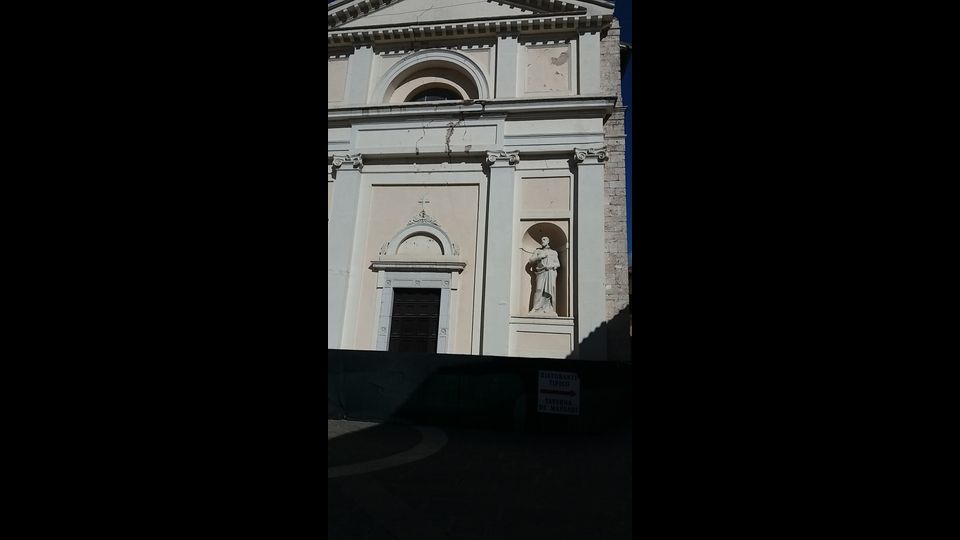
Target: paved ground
x: 367, y: 441
x: 477, y: 484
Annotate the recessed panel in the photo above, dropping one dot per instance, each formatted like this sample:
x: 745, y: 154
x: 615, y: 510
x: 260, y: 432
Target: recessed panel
x: 545, y: 193
x: 336, y: 79
x: 543, y: 344
x: 391, y: 207
x: 548, y: 68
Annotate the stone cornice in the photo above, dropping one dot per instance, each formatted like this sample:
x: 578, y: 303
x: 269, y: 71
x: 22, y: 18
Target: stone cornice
x: 345, y: 11
x: 354, y: 159
x: 410, y: 264
x: 552, y: 106
x: 527, y: 24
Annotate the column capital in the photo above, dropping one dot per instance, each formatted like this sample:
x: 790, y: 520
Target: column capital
x: 581, y: 155
x: 495, y: 158
x: 354, y: 159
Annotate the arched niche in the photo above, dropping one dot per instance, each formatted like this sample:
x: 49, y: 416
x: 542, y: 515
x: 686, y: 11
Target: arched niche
x: 530, y: 240
x: 437, y: 67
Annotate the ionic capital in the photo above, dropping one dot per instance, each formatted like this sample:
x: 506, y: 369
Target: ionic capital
x: 511, y: 158
x: 580, y: 154
x: 355, y: 159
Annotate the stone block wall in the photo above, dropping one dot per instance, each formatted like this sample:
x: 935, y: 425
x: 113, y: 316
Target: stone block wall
x: 615, y: 194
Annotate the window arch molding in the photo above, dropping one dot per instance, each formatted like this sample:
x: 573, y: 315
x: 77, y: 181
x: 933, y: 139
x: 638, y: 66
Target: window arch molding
x: 420, y: 228
x: 430, y: 58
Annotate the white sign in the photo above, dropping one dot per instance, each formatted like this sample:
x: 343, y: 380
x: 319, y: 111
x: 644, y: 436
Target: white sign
x: 558, y: 392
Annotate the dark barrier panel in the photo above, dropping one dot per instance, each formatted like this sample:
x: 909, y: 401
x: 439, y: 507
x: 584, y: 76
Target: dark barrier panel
x: 475, y: 391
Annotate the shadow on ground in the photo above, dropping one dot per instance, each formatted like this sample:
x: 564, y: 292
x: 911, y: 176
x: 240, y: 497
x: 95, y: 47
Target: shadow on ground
x: 507, y: 471
x: 370, y: 443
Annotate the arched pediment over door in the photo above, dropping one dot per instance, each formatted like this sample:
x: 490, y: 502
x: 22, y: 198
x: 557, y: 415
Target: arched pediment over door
x: 420, y: 255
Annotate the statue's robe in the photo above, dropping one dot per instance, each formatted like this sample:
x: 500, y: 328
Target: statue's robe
x: 546, y: 291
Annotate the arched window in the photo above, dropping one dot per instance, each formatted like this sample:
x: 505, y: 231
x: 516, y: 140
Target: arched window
x: 437, y: 73
x: 436, y: 94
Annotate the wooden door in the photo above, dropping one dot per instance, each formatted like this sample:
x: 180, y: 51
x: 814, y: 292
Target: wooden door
x: 415, y: 320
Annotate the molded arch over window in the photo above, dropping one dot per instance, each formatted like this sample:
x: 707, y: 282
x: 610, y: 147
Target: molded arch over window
x: 432, y: 68
x: 414, y: 230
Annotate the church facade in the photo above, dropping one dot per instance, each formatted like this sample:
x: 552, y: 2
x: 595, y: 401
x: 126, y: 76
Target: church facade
x: 475, y: 178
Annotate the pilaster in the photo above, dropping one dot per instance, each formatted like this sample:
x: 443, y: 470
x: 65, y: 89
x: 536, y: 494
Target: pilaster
x: 499, y: 262
x: 340, y: 242
x: 507, y: 53
x: 358, y: 75
x: 589, y: 57
x: 591, y: 299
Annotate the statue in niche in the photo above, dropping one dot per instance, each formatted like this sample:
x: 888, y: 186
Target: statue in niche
x: 545, y: 293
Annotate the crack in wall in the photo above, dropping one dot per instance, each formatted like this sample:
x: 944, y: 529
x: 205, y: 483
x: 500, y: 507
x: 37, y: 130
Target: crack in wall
x: 424, y: 12
x: 416, y: 145
x: 450, y: 127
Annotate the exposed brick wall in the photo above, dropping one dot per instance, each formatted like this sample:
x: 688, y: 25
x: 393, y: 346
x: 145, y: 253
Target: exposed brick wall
x: 615, y: 192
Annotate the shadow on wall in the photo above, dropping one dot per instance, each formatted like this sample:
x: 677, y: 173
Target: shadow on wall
x: 474, y: 391
x: 614, y: 334
x: 531, y: 270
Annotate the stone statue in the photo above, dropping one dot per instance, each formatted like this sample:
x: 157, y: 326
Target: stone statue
x: 545, y: 294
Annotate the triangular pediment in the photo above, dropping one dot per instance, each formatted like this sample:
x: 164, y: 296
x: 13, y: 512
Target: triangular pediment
x: 384, y: 13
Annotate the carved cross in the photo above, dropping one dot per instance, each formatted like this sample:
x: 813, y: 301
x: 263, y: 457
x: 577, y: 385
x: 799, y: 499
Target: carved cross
x: 423, y: 200
x: 422, y: 216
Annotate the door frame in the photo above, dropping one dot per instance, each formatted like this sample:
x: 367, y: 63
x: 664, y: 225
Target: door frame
x: 387, y: 280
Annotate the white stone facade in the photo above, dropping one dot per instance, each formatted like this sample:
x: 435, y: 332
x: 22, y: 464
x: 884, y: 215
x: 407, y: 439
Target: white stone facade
x: 455, y: 194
